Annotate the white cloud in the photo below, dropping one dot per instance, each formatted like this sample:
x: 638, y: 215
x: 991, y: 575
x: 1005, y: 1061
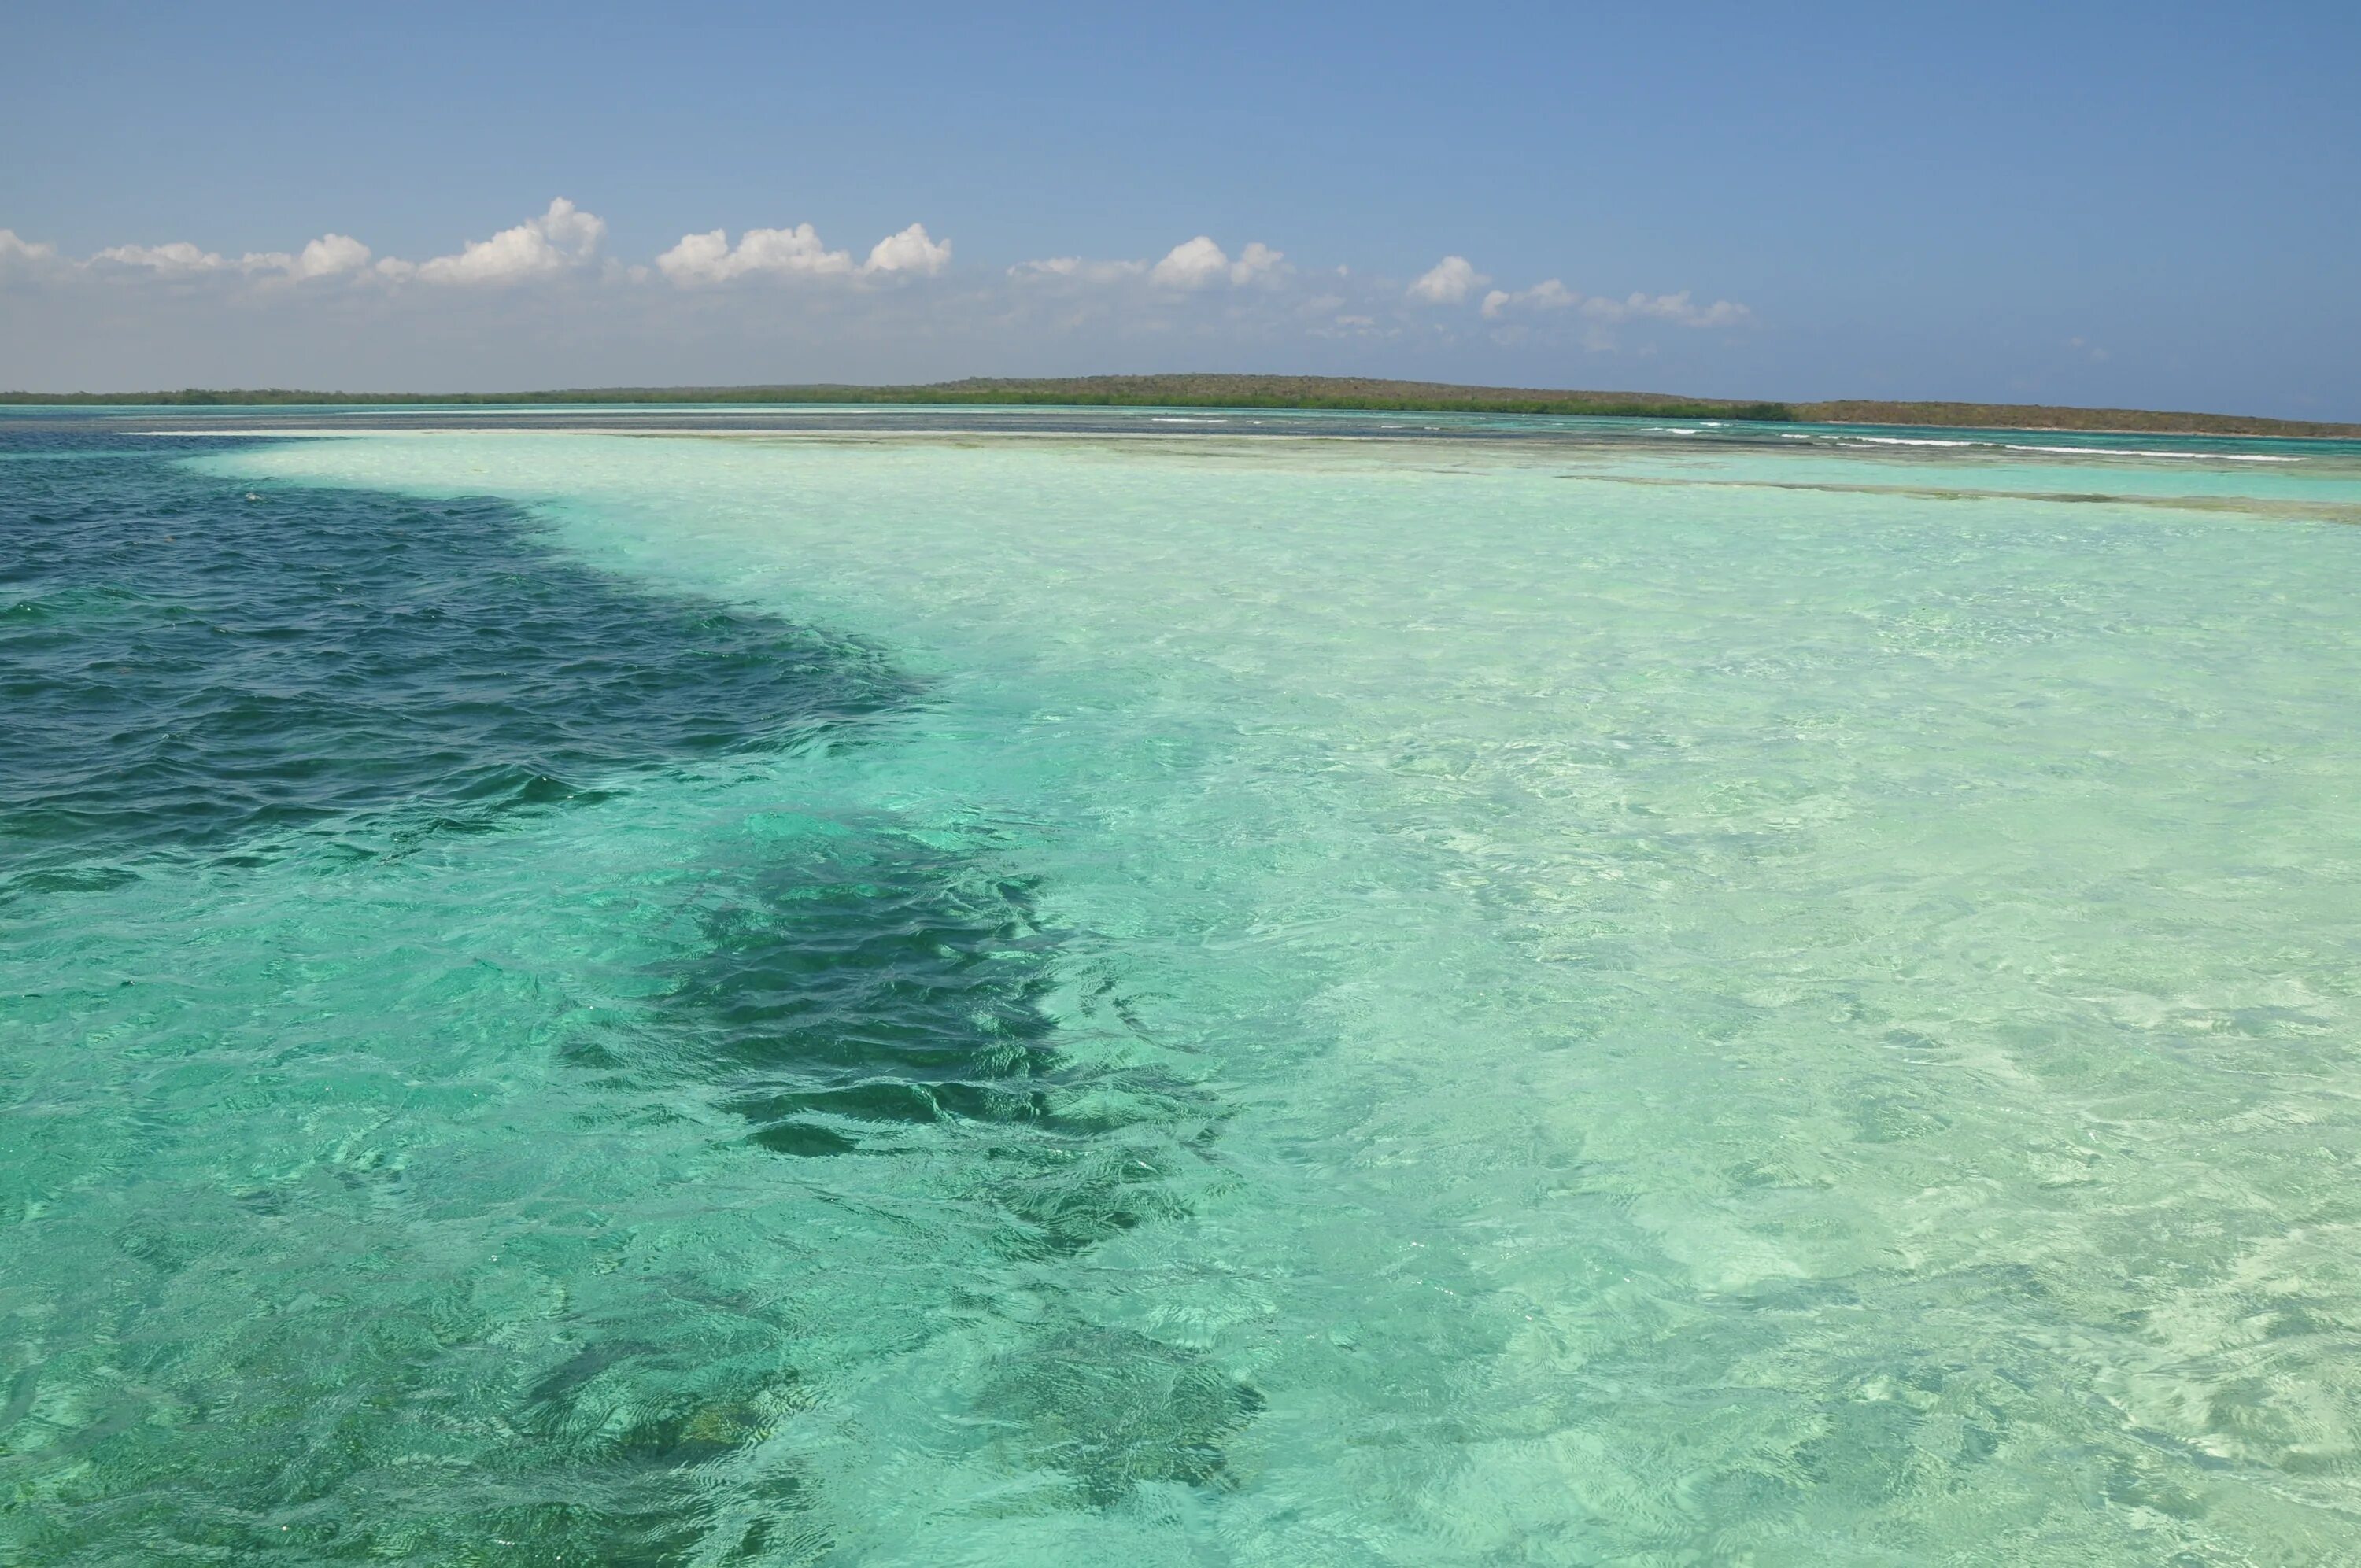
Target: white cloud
x: 177, y: 256
x: 710, y: 258
x: 909, y: 251
x: 1192, y: 265
x: 1197, y: 287
x: 25, y: 258
x: 1258, y: 262
x: 560, y: 238
x: 1448, y: 281
x: 1549, y: 294
x: 1198, y: 263
x: 324, y: 257
x: 14, y: 250
x: 330, y: 256
x: 1678, y: 308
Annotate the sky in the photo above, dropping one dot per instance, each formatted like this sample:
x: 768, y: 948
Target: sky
x: 2156, y: 205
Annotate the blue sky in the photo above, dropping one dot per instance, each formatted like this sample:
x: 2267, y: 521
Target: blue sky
x: 2157, y: 205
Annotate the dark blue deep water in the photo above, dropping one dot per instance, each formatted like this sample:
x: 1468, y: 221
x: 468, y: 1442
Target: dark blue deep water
x: 195, y: 666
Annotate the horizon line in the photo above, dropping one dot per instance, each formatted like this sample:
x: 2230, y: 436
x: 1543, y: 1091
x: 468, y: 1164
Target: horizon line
x: 1267, y: 390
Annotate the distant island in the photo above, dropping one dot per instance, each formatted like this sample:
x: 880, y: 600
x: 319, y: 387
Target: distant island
x: 1283, y: 392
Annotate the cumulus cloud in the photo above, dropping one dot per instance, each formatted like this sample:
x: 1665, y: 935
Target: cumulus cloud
x: 909, y: 251
x: 563, y: 237
x: 1257, y: 263
x: 1547, y: 295
x: 330, y: 256
x: 1191, y: 264
x: 710, y: 258
x: 1448, y: 281
x: 1199, y: 263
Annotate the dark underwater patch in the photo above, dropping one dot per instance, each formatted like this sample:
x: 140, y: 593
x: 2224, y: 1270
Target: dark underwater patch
x: 189, y: 665
x: 873, y: 996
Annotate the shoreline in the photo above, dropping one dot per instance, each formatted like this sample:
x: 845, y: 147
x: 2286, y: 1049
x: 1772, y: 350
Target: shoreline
x: 1245, y: 394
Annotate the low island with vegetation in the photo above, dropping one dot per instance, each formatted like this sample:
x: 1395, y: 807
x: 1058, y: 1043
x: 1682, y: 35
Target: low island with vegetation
x: 1340, y: 392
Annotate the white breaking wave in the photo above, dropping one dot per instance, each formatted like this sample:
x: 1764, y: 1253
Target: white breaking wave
x: 2142, y: 452
x: 2064, y: 451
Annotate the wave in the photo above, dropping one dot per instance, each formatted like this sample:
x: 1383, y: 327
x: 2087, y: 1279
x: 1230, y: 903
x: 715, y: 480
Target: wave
x: 1849, y: 440
x: 2143, y: 452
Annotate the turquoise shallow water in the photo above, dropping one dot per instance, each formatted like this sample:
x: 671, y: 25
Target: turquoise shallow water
x: 990, y: 989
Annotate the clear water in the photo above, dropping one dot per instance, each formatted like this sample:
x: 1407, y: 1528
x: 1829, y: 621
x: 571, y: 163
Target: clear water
x: 851, y: 986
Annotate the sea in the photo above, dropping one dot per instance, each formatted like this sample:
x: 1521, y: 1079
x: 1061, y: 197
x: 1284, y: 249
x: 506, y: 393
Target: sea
x: 983, y: 987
